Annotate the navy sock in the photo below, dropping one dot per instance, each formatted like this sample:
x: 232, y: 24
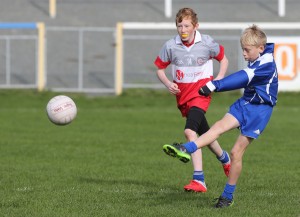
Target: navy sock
x: 224, y: 158
x: 198, y: 175
x: 190, y: 147
x: 228, y: 191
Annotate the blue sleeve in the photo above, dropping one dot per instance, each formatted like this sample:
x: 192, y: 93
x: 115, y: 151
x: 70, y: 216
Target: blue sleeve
x: 234, y: 81
x: 263, y: 74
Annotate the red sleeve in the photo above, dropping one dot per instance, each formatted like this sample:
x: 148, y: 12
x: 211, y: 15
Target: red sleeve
x: 160, y: 64
x: 221, y: 54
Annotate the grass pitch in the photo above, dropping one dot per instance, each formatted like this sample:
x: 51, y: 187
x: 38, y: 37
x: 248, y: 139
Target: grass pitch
x: 109, y: 161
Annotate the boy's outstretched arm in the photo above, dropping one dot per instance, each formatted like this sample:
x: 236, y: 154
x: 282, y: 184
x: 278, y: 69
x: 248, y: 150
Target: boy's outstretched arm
x: 234, y: 81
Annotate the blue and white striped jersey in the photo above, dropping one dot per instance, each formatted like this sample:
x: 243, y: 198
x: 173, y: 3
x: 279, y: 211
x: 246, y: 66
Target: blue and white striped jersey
x: 260, y: 79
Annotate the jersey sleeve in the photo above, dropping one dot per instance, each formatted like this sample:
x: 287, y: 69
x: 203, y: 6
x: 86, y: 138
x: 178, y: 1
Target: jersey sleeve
x: 163, y: 59
x: 161, y: 64
x: 234, y: 81
x: 216, y: 50
x: 221, y: 54
x: 261, y: 74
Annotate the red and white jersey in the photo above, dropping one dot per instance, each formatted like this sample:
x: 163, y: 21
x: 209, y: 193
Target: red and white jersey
x: 192, y: 66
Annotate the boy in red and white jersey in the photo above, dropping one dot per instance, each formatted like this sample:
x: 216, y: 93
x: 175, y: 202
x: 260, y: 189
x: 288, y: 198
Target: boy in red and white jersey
x: 190, y: 54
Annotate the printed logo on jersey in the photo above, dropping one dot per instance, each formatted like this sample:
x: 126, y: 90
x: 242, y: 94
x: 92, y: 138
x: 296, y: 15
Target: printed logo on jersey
x: 201, y: 60
x: 189, y: 60
x: 179, y: 75
x: 178, y: 62
x: 257, y: 132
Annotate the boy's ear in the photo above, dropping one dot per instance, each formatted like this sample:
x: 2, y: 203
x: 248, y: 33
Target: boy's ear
x: 261, y: 48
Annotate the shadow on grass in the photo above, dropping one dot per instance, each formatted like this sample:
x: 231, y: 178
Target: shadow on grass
x: 151, y: 193
x: 116, y: 182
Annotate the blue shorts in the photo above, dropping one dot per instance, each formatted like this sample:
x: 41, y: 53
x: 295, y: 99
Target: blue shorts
x: 253, y: 118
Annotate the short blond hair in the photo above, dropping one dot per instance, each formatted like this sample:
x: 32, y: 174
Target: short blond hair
x: 254, y: 36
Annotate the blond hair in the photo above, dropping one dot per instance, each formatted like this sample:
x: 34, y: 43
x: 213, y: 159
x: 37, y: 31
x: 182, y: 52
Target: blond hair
x: 186, y: 13
x: 254, y: 36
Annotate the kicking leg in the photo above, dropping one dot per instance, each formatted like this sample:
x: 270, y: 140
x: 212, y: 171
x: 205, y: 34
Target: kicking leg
x: 227, y: 123
x: 215, y: 148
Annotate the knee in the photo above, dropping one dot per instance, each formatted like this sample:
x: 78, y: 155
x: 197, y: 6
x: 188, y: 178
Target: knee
x: 235, y: 155
x: 190, y: 135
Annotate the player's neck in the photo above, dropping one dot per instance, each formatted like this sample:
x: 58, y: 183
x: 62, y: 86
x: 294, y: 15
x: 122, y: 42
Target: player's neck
x: 188, y: 44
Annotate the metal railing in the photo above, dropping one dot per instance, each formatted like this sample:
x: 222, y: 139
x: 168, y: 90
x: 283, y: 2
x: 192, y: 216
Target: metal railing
x: 79, y: 39
x: 18, y: 71
x: 107, y: 60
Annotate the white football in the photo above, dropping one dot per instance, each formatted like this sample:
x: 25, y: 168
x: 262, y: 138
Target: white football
x: 61, y: 110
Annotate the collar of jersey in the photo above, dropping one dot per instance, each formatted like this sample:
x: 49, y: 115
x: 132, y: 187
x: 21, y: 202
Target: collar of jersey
x: 254, y: 61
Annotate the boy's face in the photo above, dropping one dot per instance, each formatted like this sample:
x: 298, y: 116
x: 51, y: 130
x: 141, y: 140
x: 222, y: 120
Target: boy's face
x: 186, y: 30
x: 251, y: 52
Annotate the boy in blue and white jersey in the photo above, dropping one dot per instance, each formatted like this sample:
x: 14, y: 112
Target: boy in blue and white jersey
x: 250, y: 113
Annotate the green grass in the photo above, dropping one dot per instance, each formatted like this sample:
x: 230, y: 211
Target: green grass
x: 109, y: 161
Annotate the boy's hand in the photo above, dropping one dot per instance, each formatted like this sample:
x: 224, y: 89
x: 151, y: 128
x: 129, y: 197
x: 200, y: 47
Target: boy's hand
x: 207, y: 89
x: 173, y: 88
